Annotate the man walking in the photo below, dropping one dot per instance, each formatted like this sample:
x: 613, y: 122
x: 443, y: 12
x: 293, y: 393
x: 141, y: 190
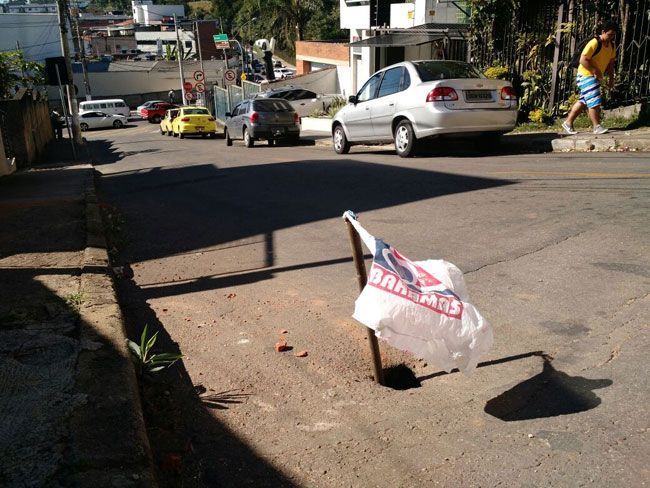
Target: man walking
x: 597, y: 58
x: 171, y: 96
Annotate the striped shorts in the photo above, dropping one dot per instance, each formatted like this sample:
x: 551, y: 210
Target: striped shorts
x: 589, y: 87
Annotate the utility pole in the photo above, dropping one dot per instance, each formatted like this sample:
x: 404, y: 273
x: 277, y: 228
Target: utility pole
x: 61, y: 8
x: 198, y: 44
x: 179, y: 50
x: 82, y: 52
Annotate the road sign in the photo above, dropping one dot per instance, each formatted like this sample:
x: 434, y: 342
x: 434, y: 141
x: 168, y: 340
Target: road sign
x: 187, y: 86
x: 221, y: 41
x: 230, y: 75
x: 243, y: 76
x: 189, y: 96
x: 199, y: 76
x: 199, y: 87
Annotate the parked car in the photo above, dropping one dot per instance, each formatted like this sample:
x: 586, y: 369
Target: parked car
x: 109, y: 106
x: 282, y: 73
x: 99, y: 120
x: 305, y: 102
x: 271, y: 119
x: 414, y: 100
x: 155, y: 112
x: 147, y: 105
x: 194, y: 120
x: 166, y: 122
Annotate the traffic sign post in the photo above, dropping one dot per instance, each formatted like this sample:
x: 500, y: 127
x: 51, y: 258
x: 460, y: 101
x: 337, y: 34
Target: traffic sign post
x: 221, y: 41
x: 199, y: 76
x: 230, y: 75
x: 189, y: 96
x: 187, y: 86
x: 199, y: 87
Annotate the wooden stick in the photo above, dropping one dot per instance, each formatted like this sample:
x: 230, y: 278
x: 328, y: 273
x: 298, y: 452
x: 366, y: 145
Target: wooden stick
x: 362, y: 279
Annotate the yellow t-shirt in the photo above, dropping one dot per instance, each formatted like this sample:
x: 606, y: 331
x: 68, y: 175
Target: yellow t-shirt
x: 600, y: 60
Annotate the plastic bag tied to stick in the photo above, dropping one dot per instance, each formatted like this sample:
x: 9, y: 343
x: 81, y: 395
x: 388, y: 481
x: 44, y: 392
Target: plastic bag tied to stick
x: 421, y: 307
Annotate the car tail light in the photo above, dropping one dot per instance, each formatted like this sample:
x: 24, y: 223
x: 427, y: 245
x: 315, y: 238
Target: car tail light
x: 508, y: 93
x: 185, y: 119
x: 442, y: 93
x: 254, y: 117
x: 296, y: 118
x: 210, y: 119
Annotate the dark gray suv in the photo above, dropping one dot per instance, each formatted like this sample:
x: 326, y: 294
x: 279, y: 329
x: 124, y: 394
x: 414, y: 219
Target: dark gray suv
x: 270, y: 119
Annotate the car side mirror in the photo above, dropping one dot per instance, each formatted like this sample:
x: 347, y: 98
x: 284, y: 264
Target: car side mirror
x: 353, y: 99
x: 228, y: 114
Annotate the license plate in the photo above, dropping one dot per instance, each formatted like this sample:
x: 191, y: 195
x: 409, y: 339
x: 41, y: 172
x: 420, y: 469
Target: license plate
x: 278, y: 132
x: 200, y: 129
x: 478, y: 95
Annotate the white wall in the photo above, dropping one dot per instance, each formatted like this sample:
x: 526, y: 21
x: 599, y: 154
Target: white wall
x: 153, y: 14
x: 357, y: 17
x: 38, y: 35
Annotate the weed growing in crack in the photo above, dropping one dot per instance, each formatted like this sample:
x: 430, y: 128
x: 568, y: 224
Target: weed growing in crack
x: 147, y: 362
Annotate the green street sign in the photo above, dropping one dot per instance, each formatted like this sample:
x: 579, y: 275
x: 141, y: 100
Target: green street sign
x: 220, y: 38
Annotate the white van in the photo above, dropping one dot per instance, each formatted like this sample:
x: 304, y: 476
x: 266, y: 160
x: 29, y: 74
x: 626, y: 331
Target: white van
x: 113, y: 106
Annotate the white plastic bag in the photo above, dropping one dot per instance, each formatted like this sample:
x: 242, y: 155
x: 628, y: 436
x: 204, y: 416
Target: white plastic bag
x: 421, y: 307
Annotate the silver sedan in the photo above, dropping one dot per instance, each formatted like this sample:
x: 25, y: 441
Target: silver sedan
x: 414, y: 100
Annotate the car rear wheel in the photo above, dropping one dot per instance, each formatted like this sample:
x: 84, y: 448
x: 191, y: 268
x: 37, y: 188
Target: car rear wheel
x: 271, y: 142
x: 341, y: 144
x: 162, y: 132
x: 404, y: 139
x: 181, y: 135
x: 169, y: 133
x: 248, y: 140
x: 83, y: 126
x: 226, y: 135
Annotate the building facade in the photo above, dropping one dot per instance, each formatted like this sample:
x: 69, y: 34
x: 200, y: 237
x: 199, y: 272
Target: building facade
x: 384, y: 32
x: 35, y: 34
x: 146, y: 13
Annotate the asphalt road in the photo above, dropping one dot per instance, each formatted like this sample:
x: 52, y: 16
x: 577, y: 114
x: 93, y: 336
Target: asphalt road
x: 229, y: 247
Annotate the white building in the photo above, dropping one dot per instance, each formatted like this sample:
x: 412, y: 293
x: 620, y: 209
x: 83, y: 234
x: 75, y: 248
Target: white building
x: 154, y: 42
x: 37, y: 35
x: 146, y: 13
x: 383, y: 33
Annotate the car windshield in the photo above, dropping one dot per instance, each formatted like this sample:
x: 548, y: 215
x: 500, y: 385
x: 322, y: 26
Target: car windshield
x: 271, y: 105
x: 196, y: 111
x: 446, y: 70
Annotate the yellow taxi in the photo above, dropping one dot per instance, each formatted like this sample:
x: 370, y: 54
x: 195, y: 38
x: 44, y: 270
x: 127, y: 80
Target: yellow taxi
x: 166, y: 122
x: 194, y: 120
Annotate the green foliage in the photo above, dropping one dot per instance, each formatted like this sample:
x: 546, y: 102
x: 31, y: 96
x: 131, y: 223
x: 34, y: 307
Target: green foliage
x: 75, y: 300
x: 148, y: 362
x: 337, y: 104
x: 539, y: 116
x: 497, y: 73
x: 16, y: 71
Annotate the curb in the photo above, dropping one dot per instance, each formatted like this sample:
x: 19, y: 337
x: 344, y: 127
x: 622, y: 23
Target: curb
x: 109, y: 444
x: 609, y: 143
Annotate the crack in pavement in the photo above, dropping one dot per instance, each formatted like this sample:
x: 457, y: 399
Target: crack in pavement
x: 527, y: 253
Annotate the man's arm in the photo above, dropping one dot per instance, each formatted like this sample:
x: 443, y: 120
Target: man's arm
x: 589, y: 66
x: 610, y: 73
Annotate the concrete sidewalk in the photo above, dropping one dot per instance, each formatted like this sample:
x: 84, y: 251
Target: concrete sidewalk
x: 69, y: 405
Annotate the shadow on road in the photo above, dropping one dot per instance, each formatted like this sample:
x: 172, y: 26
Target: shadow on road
x: 548, y: 394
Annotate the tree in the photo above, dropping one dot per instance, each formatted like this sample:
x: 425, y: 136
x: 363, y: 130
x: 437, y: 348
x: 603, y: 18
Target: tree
x: 16, y: 71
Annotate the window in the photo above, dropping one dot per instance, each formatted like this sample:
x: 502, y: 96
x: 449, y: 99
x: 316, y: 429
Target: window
x: 188, y: 44
x: 305, y: 94
x: 406, y: 79
x: 196, y: 111
x: 102, y: 105
x: 272, y: 106
x: 391, y: 82
x: 446, y: 70
x: 369, y: 89
x: 120, y: 104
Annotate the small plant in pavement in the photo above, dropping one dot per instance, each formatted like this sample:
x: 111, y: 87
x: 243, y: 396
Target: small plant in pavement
x: 75, y: 300
x: 148, y: 362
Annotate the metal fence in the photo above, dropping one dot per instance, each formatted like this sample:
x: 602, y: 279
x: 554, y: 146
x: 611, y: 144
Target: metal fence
x: 534, y: 41
x: 221, y: 104
x: 250, y: 88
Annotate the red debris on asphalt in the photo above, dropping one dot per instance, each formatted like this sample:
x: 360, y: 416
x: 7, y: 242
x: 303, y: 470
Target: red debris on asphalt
x: 301, y: 354
x: 281, y: 346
